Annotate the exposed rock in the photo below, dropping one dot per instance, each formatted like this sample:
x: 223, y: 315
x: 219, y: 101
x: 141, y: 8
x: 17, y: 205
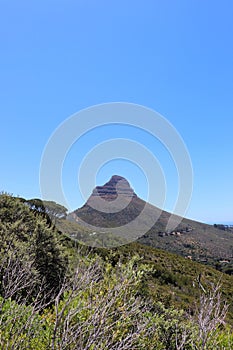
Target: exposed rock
x: 117, y: 185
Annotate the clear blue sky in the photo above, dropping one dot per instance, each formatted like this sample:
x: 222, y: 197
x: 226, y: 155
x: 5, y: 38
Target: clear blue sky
x: 176, y: 57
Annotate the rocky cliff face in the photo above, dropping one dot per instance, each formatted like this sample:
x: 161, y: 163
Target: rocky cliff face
x: 116, y: 186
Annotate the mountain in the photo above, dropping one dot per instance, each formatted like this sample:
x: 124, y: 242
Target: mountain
x: 103, y: 207
x: 117, y: 216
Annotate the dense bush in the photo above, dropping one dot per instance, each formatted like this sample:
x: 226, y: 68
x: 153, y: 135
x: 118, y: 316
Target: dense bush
x: 29, y: 244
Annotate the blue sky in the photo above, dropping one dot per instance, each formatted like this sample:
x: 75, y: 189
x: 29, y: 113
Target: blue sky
x: 176, y: 57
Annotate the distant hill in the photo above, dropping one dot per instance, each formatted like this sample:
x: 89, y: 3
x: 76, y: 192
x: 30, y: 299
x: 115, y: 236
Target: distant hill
x: 191, y: 239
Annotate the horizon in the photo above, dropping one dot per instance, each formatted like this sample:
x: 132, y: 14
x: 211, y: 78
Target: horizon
x: 227, y: 223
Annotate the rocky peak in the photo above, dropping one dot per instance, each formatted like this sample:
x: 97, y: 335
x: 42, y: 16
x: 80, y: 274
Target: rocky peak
x: 117, y: 185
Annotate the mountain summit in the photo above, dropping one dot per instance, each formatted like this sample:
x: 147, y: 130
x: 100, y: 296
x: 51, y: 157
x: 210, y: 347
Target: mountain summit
x: 116, y: 186
x: 111, y: 205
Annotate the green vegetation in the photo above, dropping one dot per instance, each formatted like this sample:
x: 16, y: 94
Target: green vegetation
x: 57, y: 294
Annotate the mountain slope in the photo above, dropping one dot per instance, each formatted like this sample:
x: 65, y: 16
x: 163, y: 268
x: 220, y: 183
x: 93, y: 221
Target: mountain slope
x: 192, y: 239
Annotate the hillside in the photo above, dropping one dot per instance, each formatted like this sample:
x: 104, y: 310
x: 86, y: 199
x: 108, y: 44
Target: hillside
x: 172, y: 279
x: 191, y: 239
x: 56, y: 293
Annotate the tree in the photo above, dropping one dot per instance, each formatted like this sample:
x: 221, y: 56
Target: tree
x: 55, y: 211
x: 36, y: 204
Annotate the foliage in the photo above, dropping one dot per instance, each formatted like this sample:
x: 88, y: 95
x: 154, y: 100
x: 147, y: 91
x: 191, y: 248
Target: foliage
x: 26, y: 238
x: 170, y: 278
x: 99, y: 307
x: 54, y: 295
